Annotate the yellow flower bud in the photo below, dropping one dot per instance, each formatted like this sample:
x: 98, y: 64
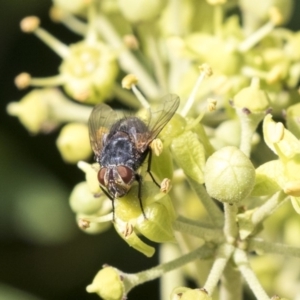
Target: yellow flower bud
x: 83, y: 201
x: 73, y: 142
x: 142, y: 10
x: 292, y: 119
x: 108, y: 284
x: 252, y: 98
x: 229, y: 175
x: 89, y: 72
x: 127, y: 233
x: 74, y: 6
x: 184, y: 293
x: 178, y: 292
x: 195, y: 294
x: 90, y: 227
x: 33, y: 110
x: 158, y: 225
x: 91, y: 177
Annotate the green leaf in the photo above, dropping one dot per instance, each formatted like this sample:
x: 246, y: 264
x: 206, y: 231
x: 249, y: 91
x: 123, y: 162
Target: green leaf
x: 296, y: 204
x: 269, y: 178
x: 189, y: 154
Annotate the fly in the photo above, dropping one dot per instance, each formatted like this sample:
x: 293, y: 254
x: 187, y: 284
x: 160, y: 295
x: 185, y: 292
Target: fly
x: 122, y: 143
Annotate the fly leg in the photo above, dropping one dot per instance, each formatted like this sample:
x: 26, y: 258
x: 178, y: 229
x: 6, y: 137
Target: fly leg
x: 139, y: 179
x: 149, y: 167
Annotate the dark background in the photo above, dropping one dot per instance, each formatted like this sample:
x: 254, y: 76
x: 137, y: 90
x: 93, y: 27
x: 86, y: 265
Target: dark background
x: 42, y: 253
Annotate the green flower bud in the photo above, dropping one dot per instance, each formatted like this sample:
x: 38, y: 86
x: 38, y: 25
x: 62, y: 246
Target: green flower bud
x: 183, y: 293
x: 76, y: 6
x: 221, y: 55
x: 126, y: 232
x: 257, y: 12
x: 158, y: 225
x: 189, y: 154
x: 229, y: 175
x: 292, y: 119
x: 33, y: 110
x: 92, y: 227
x: 184, y: 18
x: 291, y: 48
x: 108, y: 284
x: 91, y: 172
x: 177, y: 292
x: 128, y: 207
x: 159, y: 213
x: 141, y: 11
x: 196, y: 294
x: 83, y: 201
x: 89, y: 72
x: 252, y: 98
x: 73, y: 142
x: 228, y: 133
x: 278, y: 298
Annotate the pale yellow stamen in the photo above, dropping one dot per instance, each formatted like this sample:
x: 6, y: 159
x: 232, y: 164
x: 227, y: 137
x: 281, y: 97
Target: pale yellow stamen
x: 157, y: 146
x: 128, y: 81
x: 165, y: 185
x: 22, y: 81
x: 30, y: 24
x: 276, y: 132
x: 211, y: 104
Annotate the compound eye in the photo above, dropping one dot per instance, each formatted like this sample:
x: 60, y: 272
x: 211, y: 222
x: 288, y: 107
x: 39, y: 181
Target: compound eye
x: 125, y: 173
x: 101, y: 175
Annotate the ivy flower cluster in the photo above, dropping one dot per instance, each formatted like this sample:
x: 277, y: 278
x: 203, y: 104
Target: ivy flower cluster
x: 234, y: 66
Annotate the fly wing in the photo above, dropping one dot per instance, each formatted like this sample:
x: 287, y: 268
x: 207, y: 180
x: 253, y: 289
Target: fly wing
x: 162, y: 115
x: 99, y: 124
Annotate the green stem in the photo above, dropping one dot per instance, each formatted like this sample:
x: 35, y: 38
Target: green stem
x: 209, y: 235
x: 57, y: 46
x: 259, y: 245
x: 168, y: 281
x: 125, y: 97
x: 190, y: 101
x: 218, y: 19
x: 255, y: 37
x: 249, y: 124
x: 64, y: 110
x: 268, y: 207
x: 231, y: 284
x: 211, y: 207
x: 74, y: 24
x: 127, y: 60
x: 241, y: 260
x: 47, y: 81
x: 158, y: 64
x: 91, y: 34
x: 223, y: 255
x: 230, y: 226
x: 132, y: 280
x: 176, y: 11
